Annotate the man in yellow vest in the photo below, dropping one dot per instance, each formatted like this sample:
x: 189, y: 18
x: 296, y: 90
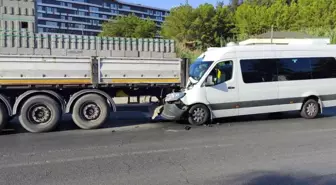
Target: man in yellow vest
x: 217, y: 75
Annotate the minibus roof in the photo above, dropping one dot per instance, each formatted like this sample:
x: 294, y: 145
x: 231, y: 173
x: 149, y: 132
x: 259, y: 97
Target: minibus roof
x: 224, y: 52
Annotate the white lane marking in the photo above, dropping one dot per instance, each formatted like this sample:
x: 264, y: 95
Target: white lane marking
x: 313, y: 131
x: 171, y: 130
x: 76, y: 159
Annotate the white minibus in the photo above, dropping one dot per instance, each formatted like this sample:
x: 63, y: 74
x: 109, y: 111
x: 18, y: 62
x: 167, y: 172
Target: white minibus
x: 256, y: 79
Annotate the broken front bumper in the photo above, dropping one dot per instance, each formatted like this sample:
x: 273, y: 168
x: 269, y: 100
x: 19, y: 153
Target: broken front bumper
x: 173, y: 111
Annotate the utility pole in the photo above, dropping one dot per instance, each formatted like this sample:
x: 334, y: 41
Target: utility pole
x: 272, y: 34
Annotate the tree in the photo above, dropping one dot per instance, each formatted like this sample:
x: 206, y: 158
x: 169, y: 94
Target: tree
x: 234, y: 4
x: 129, y: 26
x: 223, y: 24
x: 203, y: 29
x: 205, y: 26
x: 178, y: 24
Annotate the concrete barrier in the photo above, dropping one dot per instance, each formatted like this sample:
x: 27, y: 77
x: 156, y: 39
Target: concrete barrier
x: 27, y: 43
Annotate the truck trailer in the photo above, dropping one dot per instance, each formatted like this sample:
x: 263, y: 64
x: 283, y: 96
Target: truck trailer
x: 40, y: 89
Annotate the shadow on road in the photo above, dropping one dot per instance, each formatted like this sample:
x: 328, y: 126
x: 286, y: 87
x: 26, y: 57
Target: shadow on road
x: 127, y: 115
x: 277, y: 178
x: 327, y: 112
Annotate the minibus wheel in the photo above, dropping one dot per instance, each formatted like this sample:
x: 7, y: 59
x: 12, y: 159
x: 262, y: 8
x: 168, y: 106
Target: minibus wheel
x: 310, y: 109
x: 198, y: 114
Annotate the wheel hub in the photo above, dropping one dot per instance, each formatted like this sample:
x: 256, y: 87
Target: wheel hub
x: 91, y: 111
x: 311, y: 109
x: 198, y: 115
x: 40, y: 114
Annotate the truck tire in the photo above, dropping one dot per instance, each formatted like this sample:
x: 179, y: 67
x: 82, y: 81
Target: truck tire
x: 90, y: 111
x: 40, y: 114
x: 310, y: 109
x: 198, y: 115
x: 4, y: 117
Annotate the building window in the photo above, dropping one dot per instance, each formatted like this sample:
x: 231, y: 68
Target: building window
x: 80, y: 13
x: 126, y: 7
x: 94, y: 9
x: 51, y: 23
x: 80, y: 26
x: 24, y: 25
x: 94, y: 15
x: 105, y: 5
x: 113, y: 6
x: 94, y: 22
x: 40, y: 15
x: 49, y: 10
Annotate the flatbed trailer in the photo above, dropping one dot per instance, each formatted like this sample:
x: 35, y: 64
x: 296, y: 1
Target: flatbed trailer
x: 40, y: 89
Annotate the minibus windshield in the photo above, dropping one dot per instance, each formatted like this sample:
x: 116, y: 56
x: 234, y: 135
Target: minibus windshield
x: 198, y: 68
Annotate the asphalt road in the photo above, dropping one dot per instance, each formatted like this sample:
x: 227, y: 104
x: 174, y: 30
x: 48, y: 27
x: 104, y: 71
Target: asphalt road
x: 249, y: 150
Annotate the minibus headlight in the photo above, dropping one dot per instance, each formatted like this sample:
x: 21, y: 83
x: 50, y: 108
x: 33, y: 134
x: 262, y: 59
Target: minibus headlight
x: 174, y: 96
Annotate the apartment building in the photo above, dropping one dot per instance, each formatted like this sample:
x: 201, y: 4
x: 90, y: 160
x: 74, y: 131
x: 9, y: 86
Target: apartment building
x: 81, y: 17
x: 16, y: 15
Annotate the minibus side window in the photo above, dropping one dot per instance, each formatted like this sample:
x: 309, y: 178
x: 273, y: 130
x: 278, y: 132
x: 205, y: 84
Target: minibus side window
x: 222, y: 72
x: 259, y: 70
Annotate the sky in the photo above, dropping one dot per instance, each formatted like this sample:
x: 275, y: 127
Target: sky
x: 167, y: 4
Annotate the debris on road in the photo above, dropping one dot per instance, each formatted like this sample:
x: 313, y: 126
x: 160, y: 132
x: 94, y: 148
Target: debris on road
x: 187, y: 127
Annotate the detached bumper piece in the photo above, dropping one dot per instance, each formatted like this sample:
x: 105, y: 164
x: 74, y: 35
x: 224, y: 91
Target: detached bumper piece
x: 173, y: 111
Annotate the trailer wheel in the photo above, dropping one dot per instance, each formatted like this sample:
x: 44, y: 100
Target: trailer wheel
x: 40, y: 114
x: 198, y: 114
x: 310, y: 109
x: 90, y: 111
x: 4, y: 117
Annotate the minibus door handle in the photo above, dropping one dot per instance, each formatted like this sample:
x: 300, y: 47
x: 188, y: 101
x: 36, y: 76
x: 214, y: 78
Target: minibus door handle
x: 231, y: 87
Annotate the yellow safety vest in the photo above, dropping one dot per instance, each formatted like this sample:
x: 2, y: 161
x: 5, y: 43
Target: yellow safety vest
x: 219, y: 74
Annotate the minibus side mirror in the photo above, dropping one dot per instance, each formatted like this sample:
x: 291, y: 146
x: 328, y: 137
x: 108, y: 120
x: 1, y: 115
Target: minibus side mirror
x: 209, y: 81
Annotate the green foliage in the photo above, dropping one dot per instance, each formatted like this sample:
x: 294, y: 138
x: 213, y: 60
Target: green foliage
x: 201, y: 27
x: 209, y: 25
x: 129, y: 26
x: 178, y: 24
x: 258, y: 16
x: 184, y: 52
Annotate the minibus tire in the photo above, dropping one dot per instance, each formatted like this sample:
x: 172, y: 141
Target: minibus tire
x: 201, y: 111
x: 310, y: 109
